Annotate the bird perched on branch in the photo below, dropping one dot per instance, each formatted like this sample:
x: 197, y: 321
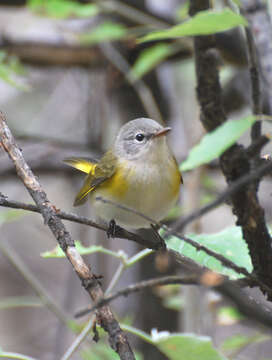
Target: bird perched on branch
x: 139, y: 172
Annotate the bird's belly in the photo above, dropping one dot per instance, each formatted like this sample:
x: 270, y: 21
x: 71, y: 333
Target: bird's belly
x: 146, y: 189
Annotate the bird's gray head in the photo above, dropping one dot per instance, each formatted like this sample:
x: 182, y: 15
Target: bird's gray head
x: 139, y: 137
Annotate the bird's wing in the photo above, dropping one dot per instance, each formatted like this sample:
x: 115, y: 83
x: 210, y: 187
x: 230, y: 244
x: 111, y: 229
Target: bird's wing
x: 97, y: 174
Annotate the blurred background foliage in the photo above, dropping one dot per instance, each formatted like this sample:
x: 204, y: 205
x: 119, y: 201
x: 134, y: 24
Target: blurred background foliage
x: 72, y: 72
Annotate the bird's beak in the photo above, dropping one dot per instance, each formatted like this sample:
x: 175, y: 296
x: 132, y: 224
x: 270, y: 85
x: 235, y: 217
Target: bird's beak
x: 162, y: 132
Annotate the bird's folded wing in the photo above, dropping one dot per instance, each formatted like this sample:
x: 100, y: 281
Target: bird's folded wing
x: 97, y: 173
x: 89, y: 185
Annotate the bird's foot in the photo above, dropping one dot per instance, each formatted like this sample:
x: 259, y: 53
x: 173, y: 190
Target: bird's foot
x: 111, y: 232
x: 161, y: 241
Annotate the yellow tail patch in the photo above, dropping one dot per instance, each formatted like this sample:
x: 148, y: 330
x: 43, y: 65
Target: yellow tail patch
x: 81, y: 164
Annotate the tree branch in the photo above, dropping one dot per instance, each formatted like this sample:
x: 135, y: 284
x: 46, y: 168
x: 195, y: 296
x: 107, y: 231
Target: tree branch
x: 117, y: 338
x: 142, y: 90
x: 148, y: 242
x: 199, y: 247
x: 225, y: 195
x: 231, y: 289
x: 166, y: 280
x: 260, y: 23
x: 120, y: 232
x: 235, y: 162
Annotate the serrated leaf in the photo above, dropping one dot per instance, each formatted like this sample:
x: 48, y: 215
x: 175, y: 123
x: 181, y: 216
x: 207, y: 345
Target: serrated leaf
x: 107, y: 31
x: 149, y: 58
x: 189, y: 347
x: 216, y: 142
x: 203, y: 23
x: 229, y: 243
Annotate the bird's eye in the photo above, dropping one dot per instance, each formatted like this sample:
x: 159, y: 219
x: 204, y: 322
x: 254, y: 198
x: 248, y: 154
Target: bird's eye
x: 139, y: 137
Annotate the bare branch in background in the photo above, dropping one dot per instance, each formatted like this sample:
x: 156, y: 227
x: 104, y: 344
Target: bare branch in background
x: 231, y: 289
x: 246, y: 179
x: 142, y: 90
x: 42, y: 53
x: 260, y: 23
x: 34, y: 282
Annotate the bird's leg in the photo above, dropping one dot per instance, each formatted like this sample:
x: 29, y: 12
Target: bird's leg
x: 155, y: 229
x: 111, y: 232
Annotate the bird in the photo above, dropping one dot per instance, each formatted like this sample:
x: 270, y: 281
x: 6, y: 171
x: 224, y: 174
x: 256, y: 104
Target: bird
x: 139, y: 171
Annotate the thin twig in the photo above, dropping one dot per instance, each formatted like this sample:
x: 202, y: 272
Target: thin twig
x: 142, y: 90
x: 167, y: 280
x: 121, y: 233
x: 34, y: 283
x: 256, y: 11
x: 199, y: 247
x: 229, y: 288
x: 131, y: 13
x: 225, y: 195
x: 79, y: 339
x: 118, y: 339
x: 255, y: 84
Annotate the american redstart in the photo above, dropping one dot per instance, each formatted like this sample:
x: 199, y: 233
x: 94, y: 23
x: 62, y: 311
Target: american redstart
x: 139, y: 172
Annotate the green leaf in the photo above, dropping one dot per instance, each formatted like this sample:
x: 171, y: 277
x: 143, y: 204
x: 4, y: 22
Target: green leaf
x: 107, y: 31
x: 229, y: 243
x: 149, y: 58
x: 216, y: 142
x: 178, y: 346
x: 183, y: 11
x: 62, y: 9
x: 58, y: 253
x: 203, y: 23
x: 237, y: 3
x: 9, y: 68
x: 237, y: 342
x: 174, y: 302
x: 10, y: 215
x: 228, y: 315
x: 99, y: 351
x: 188, y: 346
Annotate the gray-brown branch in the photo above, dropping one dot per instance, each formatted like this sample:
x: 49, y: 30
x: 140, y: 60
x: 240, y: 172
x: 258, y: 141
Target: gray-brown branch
x: 117, y: 338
